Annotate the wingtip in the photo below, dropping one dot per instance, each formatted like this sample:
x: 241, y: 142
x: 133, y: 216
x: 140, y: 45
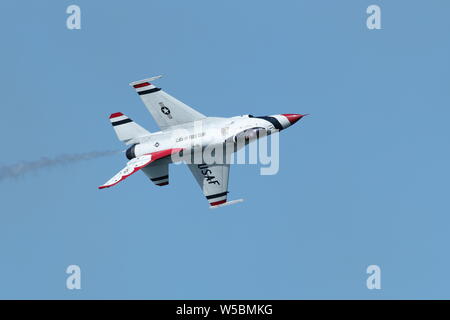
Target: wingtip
x: 225, y: 203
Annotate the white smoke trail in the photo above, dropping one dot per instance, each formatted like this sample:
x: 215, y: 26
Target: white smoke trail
x: 21, y: 168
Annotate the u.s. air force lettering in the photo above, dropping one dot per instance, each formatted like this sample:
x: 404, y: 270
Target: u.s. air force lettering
x: 206, y: 172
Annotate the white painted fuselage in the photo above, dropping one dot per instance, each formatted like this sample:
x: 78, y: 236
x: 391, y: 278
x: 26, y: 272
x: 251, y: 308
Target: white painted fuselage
x: 209, y: 132
x: 184, y: 132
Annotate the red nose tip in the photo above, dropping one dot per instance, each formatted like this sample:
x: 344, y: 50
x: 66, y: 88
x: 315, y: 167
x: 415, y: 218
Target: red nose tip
x: 293, y: 117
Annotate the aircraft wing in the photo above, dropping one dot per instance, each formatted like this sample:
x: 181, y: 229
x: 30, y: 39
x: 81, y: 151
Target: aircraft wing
x: 213, y: 180
x: 165, y: 109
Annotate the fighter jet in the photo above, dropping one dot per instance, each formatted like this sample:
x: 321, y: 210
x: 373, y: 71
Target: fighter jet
x: 183, y: 130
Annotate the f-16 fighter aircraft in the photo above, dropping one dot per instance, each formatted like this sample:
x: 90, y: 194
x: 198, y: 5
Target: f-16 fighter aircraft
x: 184, y: 129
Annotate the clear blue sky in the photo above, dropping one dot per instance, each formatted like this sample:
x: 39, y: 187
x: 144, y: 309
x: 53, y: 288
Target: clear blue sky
x: 364, y: 180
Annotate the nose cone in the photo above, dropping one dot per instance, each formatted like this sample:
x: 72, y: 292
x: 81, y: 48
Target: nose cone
x: 293, y: 117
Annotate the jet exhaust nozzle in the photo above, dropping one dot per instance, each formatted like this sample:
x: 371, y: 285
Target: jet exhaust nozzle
x: 130, y: 153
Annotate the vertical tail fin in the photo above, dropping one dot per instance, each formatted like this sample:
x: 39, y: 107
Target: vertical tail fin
x: 125, y: 128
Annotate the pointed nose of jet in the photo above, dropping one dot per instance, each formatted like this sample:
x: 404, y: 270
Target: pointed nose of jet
x: 293, y: 117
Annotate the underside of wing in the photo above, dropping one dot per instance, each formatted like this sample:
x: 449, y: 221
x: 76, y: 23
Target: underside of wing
x: 165, y: 109
x: 213, y: 180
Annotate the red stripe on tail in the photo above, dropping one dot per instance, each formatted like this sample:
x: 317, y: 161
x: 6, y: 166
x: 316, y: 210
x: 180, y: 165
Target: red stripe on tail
x: 140, y: 85
x: 115, y: 115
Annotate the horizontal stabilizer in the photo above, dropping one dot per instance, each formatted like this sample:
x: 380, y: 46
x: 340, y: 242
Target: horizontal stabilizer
x: 136, y: 164
x: 158, y: 172
x: 133, y: 166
